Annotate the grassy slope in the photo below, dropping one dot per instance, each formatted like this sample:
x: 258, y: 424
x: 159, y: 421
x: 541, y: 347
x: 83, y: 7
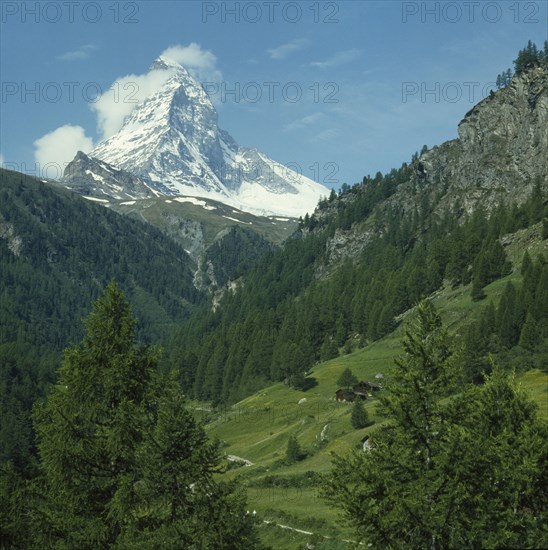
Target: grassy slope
x: 161, y: 212
x: 258, y: 427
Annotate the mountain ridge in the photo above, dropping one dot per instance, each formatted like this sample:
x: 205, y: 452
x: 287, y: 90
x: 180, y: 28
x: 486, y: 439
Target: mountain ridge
x: 498, y: 157
x: 172, y: 145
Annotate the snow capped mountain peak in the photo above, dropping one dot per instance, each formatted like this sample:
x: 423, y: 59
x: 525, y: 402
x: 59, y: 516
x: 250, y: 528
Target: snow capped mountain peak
x: 172, y: 140
x: 165, y: 63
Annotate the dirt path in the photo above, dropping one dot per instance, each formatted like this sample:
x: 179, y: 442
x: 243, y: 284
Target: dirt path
x: 308, y: 532
x: 287, y: 527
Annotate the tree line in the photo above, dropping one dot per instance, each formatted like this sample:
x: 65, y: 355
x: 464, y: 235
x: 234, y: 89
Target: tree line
x: 284, y: 318
x: 528, y: 57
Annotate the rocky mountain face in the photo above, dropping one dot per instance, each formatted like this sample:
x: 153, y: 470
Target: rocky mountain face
x: 171, y: 145
x: 502, y: 147
x: 501, y: 152
x: 93, y: 178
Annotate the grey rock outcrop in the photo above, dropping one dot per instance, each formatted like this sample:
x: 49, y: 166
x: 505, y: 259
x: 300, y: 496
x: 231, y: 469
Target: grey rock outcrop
x: 91, y: 177
x: 501, y: 152
x: 502, y: 149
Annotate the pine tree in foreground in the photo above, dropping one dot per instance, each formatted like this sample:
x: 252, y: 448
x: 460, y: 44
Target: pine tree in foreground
x: 467, y: 471
x: 124, y: 463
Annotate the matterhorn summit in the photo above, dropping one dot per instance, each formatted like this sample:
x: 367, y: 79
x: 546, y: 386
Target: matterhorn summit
x: 172, y: 144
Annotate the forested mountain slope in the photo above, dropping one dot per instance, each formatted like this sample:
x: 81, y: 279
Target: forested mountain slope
x: 375, y: 249
x: 204, y: 226
x: 57, y: 252
x: 196, y: 223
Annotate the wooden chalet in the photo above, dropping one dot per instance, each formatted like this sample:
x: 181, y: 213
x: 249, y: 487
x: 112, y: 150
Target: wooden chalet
x: 339, y: 395
x: 361, y: 390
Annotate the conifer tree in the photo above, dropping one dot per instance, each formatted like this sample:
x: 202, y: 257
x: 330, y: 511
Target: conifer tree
x: 526, y: 264
x: 124, y: 464
x: 408, y: 491
x: 90, y: 428
x: 329, y: 349
x: 477, y: 289
x: 359, y: 418
x: 340, y: 330
x: 347, y: 378
x: 488, y: 320
x: 293, y: 452
x: 507, y: 326
x: 472, y: 356
x: 530, y: 334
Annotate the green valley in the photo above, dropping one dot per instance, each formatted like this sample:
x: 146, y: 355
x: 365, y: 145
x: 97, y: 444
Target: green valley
x: 178, y: 373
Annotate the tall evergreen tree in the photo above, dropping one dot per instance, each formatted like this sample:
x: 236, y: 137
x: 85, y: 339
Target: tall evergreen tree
x: 477, y: 289
x: 408, y: 491
x: 293, y: 452
x: 526, y: 264
x: 530, y: 334
x: 347, y: 378
x: 124, y: 464
x: 508, y: 327
x: 329, y: 348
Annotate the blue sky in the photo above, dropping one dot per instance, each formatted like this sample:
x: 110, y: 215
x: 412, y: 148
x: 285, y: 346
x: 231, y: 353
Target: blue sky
x: 338, y: 89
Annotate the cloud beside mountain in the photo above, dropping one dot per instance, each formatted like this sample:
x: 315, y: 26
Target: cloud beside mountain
x: 116, y: 104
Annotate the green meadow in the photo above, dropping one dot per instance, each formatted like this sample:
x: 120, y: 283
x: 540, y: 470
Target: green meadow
x: 257, y: 428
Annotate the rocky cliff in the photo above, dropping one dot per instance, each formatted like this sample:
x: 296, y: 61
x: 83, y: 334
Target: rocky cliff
x: 502, y: 147
x: 501, y: 152
x: 94, y: 178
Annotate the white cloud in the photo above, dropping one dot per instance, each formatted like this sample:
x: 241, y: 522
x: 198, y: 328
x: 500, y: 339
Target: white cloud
x: 303, y: 122
x: 338, y: 59
x: 128, y: 91
x: 117, y: 103
x: 83, y: 52
x: 60, y: 146
x: 200, y: 63
x: 2, y: 160
x: 281, y: 52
